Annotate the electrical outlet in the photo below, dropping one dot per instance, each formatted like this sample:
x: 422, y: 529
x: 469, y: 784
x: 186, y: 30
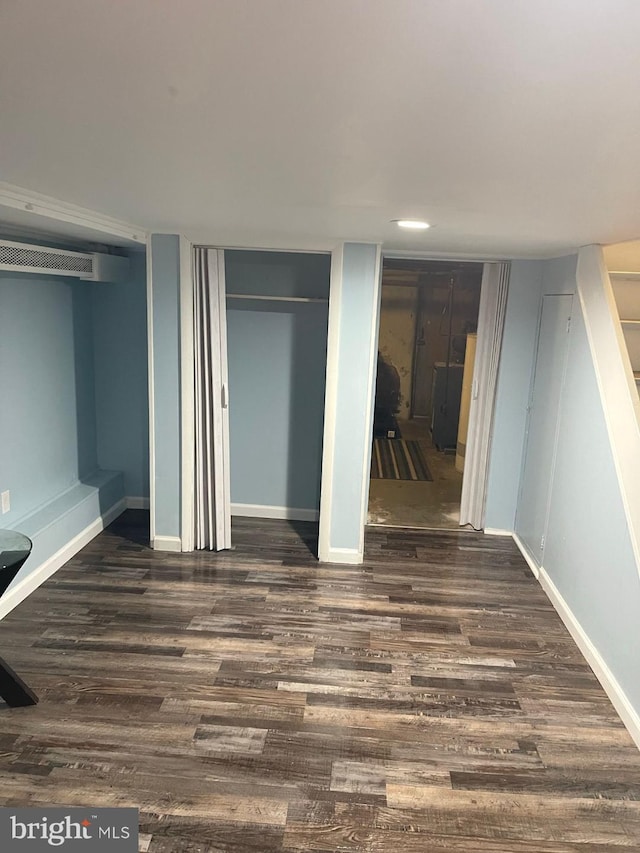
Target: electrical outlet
x: 6, y: 501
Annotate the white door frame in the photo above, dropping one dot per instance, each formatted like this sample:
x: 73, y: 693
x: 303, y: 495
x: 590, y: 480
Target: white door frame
x: 426, y: 257
x: 151, y: 395
x: 187, y: 397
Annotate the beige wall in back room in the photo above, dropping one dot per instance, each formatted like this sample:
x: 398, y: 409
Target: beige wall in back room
x: 397, y: 335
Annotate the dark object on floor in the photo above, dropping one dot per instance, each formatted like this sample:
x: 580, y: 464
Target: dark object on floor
x: 14, y: 550
x: 397, y: 459
x: 385, y: 426
x: 387, y: 402
x: 447, y: 390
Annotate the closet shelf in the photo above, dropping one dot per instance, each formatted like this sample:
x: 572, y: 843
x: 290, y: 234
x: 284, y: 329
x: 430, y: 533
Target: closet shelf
x: 265, y: 298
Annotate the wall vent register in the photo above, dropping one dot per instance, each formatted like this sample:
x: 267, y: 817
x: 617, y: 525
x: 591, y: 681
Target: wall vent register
x: 90, y: 266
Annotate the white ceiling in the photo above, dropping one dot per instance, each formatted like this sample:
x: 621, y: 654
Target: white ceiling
x: 512, y: 125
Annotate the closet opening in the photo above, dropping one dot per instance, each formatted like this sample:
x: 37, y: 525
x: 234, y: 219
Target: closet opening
x: 426, y: 354
x: 277, y: 306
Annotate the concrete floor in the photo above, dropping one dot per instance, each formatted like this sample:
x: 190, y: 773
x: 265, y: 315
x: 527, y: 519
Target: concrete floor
x: 401, y: 503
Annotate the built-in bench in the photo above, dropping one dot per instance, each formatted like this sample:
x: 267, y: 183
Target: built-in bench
x: 62, y: 526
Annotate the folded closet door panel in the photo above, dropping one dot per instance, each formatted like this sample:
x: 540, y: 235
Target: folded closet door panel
x: 212, y: 501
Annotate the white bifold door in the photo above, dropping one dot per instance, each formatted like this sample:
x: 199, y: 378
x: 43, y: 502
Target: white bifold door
x: 212, y: 489
x: 493, y: 306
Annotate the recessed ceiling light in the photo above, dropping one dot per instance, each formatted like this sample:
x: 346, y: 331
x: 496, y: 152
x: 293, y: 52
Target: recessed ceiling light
x: 413, y: 224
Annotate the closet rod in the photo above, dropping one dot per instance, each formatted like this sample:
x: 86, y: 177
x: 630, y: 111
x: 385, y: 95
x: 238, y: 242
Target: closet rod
x: 264, y: 298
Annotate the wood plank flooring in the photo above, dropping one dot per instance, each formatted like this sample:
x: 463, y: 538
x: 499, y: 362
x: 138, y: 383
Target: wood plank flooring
x: 429, y: 701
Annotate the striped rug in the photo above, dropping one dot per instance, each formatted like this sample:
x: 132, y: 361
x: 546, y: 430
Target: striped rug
x: 398, y: 459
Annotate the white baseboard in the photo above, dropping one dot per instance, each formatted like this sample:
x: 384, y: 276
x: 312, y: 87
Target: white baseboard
x: 167, y: 543
x: 51, y: 565
x: 347, y: 556
x: 535, y: 568
x: 264, y: 511
x: 134, y: 502
x: 607, y: 679
x: 496, y: 531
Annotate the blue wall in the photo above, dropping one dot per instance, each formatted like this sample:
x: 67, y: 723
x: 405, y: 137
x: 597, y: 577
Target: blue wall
x: 277, y: 362
x: 529, y: 280
x: 48, y: 432
x: 120, y: 350
x: 165, y: 269
x: 48, y: 428
x: 588, y: 554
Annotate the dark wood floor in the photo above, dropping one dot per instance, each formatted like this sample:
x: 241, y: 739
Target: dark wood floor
x: 428, y: 701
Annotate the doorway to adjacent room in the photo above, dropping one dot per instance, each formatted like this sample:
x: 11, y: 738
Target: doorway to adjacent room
x: 426, y: 351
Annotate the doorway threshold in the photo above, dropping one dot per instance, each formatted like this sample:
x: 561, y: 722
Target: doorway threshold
x: 381, y: 525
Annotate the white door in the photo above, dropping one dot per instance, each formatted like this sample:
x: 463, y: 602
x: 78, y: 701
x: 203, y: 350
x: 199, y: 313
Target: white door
x: 212, y: 485
x: 544, y: 411
x: 493, y: 305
